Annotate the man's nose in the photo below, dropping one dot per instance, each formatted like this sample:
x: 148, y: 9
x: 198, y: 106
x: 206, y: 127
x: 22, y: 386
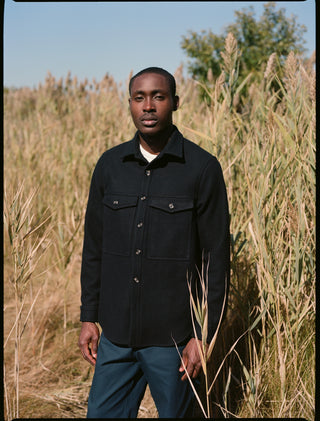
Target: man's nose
x: 148, y: 104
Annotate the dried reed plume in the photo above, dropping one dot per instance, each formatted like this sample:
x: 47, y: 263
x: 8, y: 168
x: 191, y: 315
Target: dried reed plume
x: 290, y: 72
x: 271, y: 65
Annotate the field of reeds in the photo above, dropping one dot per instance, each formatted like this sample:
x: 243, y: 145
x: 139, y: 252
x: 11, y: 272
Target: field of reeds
x: 265, y: 140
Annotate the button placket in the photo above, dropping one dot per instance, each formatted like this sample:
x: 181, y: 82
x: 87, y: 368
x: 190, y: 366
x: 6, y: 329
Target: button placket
x: 137, y: 281
x: 139, y: 225
x: 141, y: 211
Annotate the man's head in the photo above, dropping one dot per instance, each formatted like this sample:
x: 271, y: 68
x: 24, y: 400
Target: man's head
x: 152, y: 101
x: 158, y: 70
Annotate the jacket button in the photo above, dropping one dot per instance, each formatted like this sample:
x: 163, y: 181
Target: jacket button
x: 171, y: 205
x: 148, y: 172
x: 138, y: 251
x: 140, y: 224
x: 136, y: 280
x: 143, y: 197
x: 116, y: 202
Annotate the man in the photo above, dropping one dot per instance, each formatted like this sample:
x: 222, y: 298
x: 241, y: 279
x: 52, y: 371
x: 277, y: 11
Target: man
x: 156, y: 203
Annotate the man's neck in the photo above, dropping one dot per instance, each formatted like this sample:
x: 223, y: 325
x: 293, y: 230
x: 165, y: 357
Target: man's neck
x: 155, y: 144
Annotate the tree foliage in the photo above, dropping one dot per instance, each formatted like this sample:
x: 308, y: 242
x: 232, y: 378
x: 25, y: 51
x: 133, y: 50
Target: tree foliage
x: 257, y: 40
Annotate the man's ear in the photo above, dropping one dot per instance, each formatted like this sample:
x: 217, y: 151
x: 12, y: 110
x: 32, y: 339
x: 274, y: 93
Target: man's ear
x: 176, y: 103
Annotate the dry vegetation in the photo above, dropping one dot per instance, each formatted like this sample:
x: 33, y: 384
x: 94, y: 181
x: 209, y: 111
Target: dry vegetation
x: 53, y: 136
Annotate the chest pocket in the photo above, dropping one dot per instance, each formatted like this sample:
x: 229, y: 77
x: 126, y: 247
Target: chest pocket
x: 118, y: 216
x: 170, y: 223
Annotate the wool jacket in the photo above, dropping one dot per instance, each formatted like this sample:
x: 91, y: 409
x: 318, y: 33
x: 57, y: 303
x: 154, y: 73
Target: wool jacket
x: 148, y: 227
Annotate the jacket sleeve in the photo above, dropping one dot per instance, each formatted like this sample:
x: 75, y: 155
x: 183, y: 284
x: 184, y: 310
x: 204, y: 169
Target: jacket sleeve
x: 92, y: 249
x: 214, y: 240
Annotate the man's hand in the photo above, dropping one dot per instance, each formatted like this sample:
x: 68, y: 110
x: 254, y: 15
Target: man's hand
x: 191, y: 359
x: 88, y: 341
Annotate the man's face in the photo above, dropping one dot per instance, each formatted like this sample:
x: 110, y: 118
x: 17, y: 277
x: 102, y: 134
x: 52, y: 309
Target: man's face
x: 152, y: 104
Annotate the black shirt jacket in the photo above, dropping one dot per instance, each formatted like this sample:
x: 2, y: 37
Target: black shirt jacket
x: 147, y: 228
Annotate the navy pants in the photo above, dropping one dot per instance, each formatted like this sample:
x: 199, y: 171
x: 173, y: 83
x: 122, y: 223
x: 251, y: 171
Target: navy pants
x: 122, y: 374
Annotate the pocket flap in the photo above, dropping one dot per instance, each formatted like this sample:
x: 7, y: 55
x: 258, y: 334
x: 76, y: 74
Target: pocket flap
x: 172, y: 204
x: 118, y: 201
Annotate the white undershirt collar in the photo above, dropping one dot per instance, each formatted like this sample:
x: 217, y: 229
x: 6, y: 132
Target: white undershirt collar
x: 149, y: 156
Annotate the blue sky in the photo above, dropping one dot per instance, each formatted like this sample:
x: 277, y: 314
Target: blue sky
x: 90, y: 39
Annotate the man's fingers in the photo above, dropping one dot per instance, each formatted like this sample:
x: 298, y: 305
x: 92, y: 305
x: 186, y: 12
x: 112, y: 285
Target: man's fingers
x: 86, y: 353
x: 184, y: 363
x: 88, y: 341
x: 196, y: 371
x: 94, y: 348
x: 193, y: 371
x: 88, y: 357
x: 191, y: 359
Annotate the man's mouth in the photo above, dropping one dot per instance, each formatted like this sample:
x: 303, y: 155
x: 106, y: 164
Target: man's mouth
x: 148, y: 120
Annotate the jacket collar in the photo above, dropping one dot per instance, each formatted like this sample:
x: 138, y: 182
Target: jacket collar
x: 173, y: 148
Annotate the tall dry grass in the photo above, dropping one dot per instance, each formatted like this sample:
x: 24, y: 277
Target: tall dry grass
x: 265, y: 141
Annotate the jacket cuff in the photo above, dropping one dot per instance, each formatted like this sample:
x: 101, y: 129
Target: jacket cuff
x: 88, y: 314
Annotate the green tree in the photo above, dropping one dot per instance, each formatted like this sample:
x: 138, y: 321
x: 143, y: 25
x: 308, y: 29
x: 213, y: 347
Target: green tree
x: 257, y: 40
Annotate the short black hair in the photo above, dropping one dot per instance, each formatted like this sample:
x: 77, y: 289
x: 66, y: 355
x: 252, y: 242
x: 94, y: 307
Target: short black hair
x: 159, y: 71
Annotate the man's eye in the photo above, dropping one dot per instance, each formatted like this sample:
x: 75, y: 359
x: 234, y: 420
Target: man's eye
x: 138, y: 98
x: 159, y: 97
